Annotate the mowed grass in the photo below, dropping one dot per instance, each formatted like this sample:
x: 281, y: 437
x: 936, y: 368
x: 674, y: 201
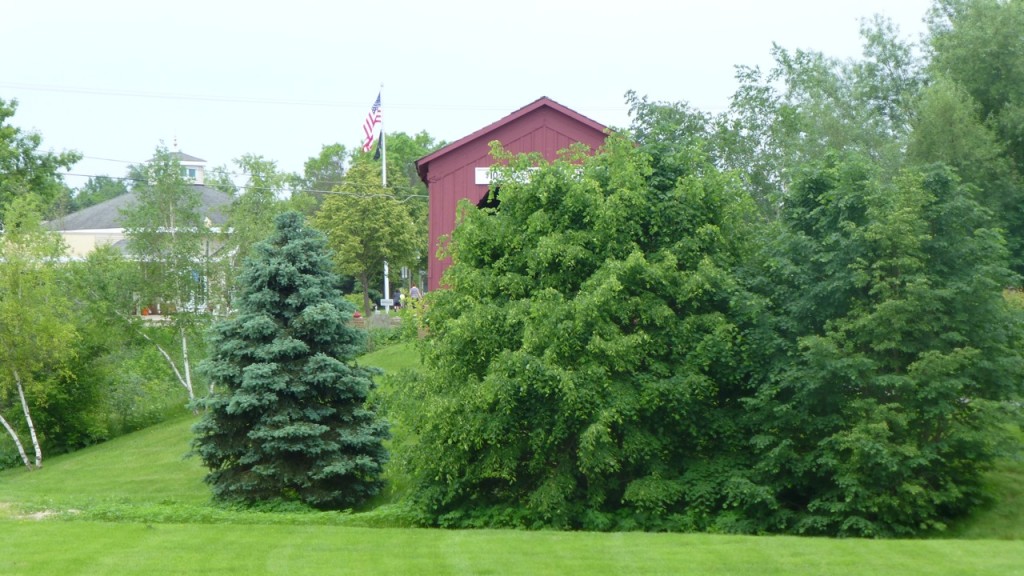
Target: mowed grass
x: 55, y: 547
x: 394, y: 358
x: 135, y: 505
x: 149, y: 466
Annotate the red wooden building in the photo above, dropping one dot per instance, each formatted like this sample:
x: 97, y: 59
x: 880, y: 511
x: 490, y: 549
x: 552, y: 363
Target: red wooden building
x: 461, y: 169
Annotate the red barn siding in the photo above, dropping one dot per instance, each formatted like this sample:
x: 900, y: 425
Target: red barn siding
x: 543, y: 126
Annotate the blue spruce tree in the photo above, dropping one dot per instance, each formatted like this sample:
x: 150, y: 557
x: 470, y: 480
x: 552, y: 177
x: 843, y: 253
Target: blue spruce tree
x: 288, y: 419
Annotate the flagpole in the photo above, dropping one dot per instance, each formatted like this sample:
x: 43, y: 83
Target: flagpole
x: 383, y: 146
x: 384, y: 183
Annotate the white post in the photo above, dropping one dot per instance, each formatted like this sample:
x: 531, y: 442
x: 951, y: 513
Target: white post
x: 387, y: 290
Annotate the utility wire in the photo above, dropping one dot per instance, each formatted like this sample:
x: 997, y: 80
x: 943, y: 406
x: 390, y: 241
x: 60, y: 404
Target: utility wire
x: 256, y: 100
x: 270, y: 189
x: 214, y: 170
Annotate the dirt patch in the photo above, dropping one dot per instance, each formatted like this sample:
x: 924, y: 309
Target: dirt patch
x: 40, y: 515
x: 7, y: 509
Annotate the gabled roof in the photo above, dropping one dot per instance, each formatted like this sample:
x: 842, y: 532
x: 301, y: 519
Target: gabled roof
x: 543, y: 101
x: 107, y: 215
x: 182, y: 157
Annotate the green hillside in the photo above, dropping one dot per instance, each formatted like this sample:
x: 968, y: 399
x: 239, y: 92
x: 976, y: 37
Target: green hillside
x: 136, y: 505
x: 148, y: 466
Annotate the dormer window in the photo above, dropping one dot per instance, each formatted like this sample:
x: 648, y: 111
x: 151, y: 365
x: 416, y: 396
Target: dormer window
x: 191, y: 167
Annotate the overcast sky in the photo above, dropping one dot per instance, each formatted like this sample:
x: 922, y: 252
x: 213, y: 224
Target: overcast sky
x: 113, y: 79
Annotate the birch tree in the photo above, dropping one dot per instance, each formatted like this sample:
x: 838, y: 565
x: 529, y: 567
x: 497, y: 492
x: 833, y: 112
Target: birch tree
x: 166, y: 235
x: 36, y: 334
x: 264, y: 195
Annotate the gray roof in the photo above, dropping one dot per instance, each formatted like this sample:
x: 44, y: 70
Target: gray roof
x: 182, y: 157
x: 106, y: 215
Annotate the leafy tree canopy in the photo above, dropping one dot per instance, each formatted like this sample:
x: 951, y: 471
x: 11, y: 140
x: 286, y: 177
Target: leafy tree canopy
x: 323, y: 172
x: 98, y: 189
x: 978, y: 44
x: 971, y: 117
x: 37, y: 336
x: 220, y: 178
x: 264, y: 195
x: 809, y: 102
x: 586, y: 363
x: 166, y: 231
x: 367, y: 225
x: 902, y: 352
x: 24, y: 169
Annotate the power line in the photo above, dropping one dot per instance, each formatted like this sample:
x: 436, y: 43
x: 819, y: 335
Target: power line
x: 258, y: 100
x: 220, y: 169
x: 112, y: 160
x: 270, y: 189
x: 215, y: 169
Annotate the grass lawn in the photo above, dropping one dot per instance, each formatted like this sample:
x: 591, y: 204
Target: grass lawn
x: 148, y: 466
x: 134, y: 505
x: 394, y: 358
x: 59, y: 547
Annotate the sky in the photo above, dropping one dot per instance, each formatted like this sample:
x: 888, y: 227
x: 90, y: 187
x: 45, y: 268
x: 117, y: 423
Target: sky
x: 115, y: 79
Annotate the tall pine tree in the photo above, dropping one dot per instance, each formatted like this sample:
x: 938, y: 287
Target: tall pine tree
x: 288, y: 418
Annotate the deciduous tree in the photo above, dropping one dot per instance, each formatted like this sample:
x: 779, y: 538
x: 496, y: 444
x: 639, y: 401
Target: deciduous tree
x: 809, y: 103
x: 322, y: 173
x: 251, y: 217
x: 902, y: 352
x: 36, y: 333
x: 586, y: 364
x: 972, y: 116
x: 98, y: 189
x: 220, y: 178
x: 167, y: 237
x: 367, y: 225
x: 24, y: 169
x: 978, y: 45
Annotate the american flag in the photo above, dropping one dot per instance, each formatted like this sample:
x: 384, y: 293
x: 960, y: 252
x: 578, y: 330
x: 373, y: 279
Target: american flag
x: 372, y: 119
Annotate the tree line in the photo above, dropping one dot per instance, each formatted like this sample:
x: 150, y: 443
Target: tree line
x: 789, y: 317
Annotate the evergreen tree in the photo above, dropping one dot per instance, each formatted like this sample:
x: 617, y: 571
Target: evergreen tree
x: 288, y: 419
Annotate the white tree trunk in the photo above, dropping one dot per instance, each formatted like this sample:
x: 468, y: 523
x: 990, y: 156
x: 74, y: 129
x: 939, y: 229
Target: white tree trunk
x: 181, y: 380
x: 28, y: 420
x: 185, y: 382
x: 185, y: 362
x: 17, y: 441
